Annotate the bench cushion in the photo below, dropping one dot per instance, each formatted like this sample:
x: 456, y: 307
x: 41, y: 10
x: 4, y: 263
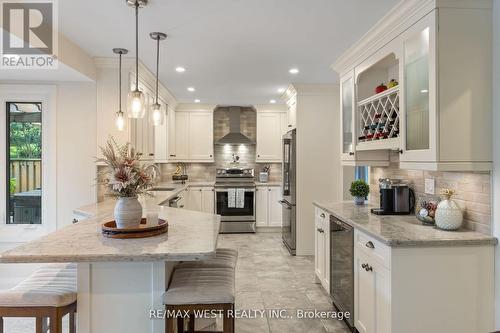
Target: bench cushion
x: 224, y: 258
x: 52, y: 285
x: 201, y: 286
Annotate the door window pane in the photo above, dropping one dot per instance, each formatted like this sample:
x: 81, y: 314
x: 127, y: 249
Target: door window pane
x: 24, y: 163
x: 417, y: 91
x: 347, y: 91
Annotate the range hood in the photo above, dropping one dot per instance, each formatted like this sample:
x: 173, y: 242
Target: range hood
x: 234, y: 136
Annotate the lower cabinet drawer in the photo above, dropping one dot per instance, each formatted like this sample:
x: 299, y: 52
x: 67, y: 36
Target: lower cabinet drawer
x: 372, y: 247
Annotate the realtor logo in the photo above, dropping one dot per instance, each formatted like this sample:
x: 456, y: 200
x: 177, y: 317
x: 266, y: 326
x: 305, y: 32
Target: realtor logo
x: 29, y: 34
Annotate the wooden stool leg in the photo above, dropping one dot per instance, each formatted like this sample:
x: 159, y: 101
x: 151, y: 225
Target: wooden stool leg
x: 180, y: 325
x: 39, y: 325
x: 56, y: 322
x: 1, y: 324
x: 72, y: 324
x: 228, y: 322
x: 169, y: 326
x: 191, y: 324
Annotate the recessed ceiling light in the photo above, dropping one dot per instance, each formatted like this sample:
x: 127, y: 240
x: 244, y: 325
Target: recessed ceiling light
x: 197, y: 101
x: 281, y: 90
x: 273, y: 101
x: 180, y: 69
x: 294, y: 71
x: 191, y: 89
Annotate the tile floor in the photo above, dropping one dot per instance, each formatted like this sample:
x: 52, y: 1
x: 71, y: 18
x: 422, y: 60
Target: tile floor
x: 267, y: 278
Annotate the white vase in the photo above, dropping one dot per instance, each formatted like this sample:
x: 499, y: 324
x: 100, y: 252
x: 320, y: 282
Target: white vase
x: 449, y: 215
x: 128, y: 212
x: 359, y: 201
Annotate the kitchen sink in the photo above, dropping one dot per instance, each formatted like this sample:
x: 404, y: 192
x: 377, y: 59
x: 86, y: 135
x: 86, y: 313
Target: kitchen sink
x: 166, y: 189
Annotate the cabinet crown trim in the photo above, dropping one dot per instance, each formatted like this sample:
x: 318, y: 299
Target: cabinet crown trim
x: 396, y: 21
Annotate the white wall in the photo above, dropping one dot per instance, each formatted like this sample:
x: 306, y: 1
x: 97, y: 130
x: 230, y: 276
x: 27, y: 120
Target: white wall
x: 76, y: 148
x: 496, y: 152
x: 318, y: 151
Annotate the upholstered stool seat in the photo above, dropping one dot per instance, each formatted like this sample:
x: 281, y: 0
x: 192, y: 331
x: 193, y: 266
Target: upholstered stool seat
x: 50, y: 292
x: 223, y: 258
x: 201, y: 288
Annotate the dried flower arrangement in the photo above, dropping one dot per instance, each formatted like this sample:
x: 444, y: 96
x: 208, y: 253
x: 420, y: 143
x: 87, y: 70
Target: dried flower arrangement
x: 124, y: 175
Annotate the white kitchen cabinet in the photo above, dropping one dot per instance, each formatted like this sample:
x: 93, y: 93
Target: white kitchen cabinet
x: 201, y: 199
x: 151, y: 141
x: 391, y: 284
x: 372, y: 300
x: 181, y: 136
x: 201, y: 136
x: 443, y: 100
x: 322, y: 248
x: 161, y: 136
x: 192, y: 137
x: 350, y: 156
x: 269, y: 137
x: 267, y: 206
x: 437, y: 64
x: 290, y: 98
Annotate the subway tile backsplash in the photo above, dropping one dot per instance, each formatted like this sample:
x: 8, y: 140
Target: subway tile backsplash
x: 473, y: 191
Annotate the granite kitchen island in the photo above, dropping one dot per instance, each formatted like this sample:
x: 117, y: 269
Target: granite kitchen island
x: 121, y: 280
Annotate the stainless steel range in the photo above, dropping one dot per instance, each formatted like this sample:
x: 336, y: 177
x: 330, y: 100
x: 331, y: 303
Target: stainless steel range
x: 235, y: 199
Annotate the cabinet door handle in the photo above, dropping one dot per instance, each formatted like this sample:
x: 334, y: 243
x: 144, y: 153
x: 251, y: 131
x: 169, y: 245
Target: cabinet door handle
x: 369, y: 268
x: 172, y: 155
x: 75, y: 221
x: 370, y: 245
x: 321, y: 230
x: 200, y: 190
x: 322, y: 215
x: 351, y: 153
x: 211, y: 156
x: 364, y: 265
x: 400, y: 150
x: 258, y: 155
x: 289, y: 125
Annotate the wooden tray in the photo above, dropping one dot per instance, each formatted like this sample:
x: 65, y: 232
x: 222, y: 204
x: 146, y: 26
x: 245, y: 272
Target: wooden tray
x: 110, y: 230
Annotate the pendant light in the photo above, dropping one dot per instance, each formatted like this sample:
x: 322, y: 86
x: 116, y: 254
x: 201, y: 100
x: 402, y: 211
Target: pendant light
x: 157, y: 115
x: 136, y: 100
x: 120, y: 116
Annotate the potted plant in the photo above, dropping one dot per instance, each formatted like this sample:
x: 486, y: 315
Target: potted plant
x: 359, y: 190
x: 125, y: 178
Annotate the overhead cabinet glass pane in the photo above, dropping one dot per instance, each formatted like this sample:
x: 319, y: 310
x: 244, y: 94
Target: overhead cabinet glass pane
x: 347, y: 91
x: 416, y: 55
x: 24, y: 163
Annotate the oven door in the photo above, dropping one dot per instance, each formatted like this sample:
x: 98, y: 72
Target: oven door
x: 247, y: 213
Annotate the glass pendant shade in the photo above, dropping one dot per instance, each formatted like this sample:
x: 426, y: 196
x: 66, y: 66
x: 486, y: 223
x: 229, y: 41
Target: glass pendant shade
x: 137, y: 104
x: 120, y: 121
x: 157, y: 116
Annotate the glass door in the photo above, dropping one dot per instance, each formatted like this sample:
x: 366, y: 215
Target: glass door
x: 419, y: 91
x: 346, y: 107
x: 24, y: 163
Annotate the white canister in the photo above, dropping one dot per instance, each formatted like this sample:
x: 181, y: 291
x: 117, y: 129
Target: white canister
x: 264, y: 177
x: 449, y: 215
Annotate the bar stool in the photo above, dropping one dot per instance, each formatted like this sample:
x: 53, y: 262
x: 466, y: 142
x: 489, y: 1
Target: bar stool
x: 50, y: 292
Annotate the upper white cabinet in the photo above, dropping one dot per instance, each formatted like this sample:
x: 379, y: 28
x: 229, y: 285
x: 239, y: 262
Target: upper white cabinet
x: 439, y: 115
x: 151, y: 141
x: 349, y: 120
x: 269, y: 136
x: 191, y: 139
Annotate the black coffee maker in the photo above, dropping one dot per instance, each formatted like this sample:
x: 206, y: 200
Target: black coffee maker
x: 396, y: 198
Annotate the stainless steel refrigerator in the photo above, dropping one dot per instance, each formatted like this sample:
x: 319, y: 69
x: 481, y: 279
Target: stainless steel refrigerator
x: 288, y: 203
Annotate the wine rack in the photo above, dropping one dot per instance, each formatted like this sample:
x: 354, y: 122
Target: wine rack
x: 379, y: 116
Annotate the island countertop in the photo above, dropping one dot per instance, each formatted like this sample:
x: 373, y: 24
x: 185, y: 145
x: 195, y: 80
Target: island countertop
x: 191, y: 236
x: 401, y: 230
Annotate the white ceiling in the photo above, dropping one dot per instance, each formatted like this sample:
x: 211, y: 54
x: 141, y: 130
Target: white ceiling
x: 235, y: 51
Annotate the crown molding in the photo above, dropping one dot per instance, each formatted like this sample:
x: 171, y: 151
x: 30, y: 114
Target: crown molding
x: 396, y: 21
